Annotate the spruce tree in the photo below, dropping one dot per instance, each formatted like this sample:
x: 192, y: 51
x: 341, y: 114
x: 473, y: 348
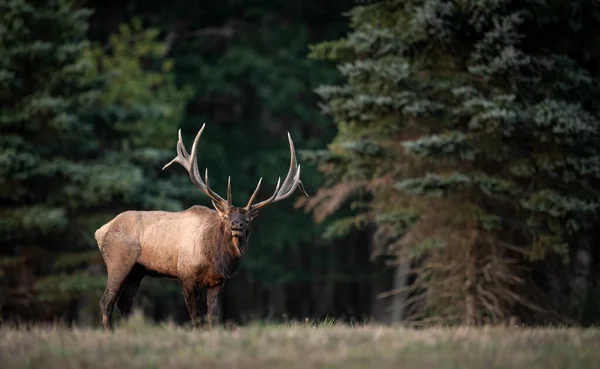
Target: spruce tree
x: 468, y: 134
x: 77, y: 143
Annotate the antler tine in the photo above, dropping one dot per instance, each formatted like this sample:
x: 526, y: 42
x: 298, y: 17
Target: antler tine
x: 277, y: 188
x: 190, y: 163
x: 293, y: 166
x: 181, y: 153
x: 296, y: 183
x: 229, y: 200
x: 253, y: 195
x: 180, y: 146
x: 292, y: 180
x: 212, y: 193
x: 267, y: 201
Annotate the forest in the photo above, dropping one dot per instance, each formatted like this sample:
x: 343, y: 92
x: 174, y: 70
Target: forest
x: 450, y: 151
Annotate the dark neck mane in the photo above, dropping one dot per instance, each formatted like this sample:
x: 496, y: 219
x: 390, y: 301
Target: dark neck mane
x: 226, y: 260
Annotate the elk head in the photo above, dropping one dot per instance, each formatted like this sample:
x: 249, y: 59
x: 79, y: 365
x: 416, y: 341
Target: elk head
x: 238, y: 219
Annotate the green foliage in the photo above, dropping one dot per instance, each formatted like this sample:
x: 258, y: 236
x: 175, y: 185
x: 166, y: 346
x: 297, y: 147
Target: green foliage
x: 469, y: 108
x: 141, y: 106
x: 344, y: 226
x: 143, y: 102
x: 82, y: 126
x: 43, y: 96
x: 63, y: 287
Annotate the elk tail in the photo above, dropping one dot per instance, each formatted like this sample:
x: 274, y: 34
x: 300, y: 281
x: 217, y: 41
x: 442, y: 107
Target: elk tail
x: 100, y: 233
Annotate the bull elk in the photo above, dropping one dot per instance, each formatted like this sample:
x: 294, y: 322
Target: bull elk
x: 199, y: 246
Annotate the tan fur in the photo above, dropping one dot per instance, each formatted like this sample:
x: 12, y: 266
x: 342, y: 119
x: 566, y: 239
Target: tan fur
x: 174, y: 244
x: 195, y: 246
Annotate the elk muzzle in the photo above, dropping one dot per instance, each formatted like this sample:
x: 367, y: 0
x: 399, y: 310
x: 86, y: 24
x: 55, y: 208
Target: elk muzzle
x: 238, y: 227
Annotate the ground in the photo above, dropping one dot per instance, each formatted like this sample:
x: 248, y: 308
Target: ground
x: 141, y: 345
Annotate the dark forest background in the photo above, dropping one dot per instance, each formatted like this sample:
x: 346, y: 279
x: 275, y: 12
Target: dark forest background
x: 450, y: 148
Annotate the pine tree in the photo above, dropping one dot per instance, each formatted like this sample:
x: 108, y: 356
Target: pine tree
x: 470, y: 139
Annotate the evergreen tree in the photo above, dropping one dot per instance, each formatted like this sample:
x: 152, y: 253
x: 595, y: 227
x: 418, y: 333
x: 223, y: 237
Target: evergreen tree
x: 468, y: 134
x: 78, y: 129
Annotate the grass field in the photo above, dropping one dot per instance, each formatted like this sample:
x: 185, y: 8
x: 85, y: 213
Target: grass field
x: 141, y: 345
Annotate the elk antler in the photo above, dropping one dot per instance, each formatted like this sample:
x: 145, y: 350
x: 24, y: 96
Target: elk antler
x: 292, y: 180
x: 191, y: 165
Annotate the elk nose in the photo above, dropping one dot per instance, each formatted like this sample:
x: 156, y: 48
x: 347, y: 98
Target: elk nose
x: 235, y: 224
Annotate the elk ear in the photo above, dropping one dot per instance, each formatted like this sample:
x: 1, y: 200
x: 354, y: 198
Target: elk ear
x: 253, y: 214
x: 219, y: 208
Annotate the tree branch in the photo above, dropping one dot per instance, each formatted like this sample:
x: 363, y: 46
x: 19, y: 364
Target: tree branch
x: 174, y: 34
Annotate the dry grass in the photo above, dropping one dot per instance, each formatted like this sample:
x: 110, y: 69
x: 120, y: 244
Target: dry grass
x: 139, y: 345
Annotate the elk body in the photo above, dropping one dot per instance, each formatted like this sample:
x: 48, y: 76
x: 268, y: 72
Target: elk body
x: 199, y: 246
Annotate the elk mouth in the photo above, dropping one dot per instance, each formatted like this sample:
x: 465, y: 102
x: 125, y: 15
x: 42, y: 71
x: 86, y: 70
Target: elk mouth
x: 237, y: 232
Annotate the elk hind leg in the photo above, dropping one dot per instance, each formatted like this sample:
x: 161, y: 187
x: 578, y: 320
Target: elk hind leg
x: 119, y: 264
x: 114, y: 286
x: 128, y: 291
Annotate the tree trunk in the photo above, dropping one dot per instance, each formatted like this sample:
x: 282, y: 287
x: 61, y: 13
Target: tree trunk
x: 400, y: 284
x: 276, y: 307
x: 579, y: 282
x: 471, y: 281
x: 323, y: 296
x: 379, y: 284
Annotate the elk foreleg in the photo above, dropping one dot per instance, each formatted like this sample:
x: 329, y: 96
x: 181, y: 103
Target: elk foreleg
x: 190, y: 293
x: 212, y: 302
